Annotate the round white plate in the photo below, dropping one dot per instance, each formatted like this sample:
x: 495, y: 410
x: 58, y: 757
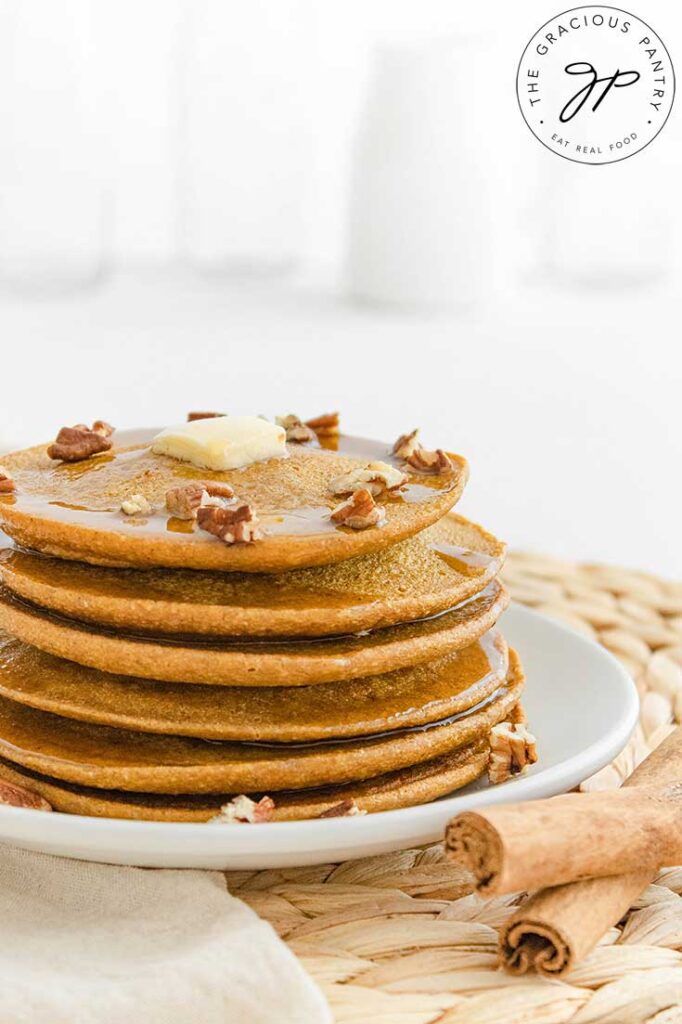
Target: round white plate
x: 581, y: 704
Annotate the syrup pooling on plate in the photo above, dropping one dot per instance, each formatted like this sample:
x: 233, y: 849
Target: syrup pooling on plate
x: 79, y: 502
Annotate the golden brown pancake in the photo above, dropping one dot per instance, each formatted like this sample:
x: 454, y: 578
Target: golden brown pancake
x: 404, y: 788
x: 407, y: 697
x: 297, y: 663
x: 421, y: 576
x: 72, y: 510
x: 106, y: 758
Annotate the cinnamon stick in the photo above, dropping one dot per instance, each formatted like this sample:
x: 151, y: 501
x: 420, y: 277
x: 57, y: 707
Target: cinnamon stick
x: 566, y: 838
x: 556, y: 927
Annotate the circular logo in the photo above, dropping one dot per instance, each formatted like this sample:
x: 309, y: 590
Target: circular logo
x: 595, y: 84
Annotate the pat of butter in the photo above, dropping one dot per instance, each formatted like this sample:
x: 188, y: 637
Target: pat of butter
x: 223, y: 442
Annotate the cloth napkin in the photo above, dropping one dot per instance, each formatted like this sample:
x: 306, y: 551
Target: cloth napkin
x: 96, y: 944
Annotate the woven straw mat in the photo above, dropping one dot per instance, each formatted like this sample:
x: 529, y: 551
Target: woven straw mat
x: 400, y: 939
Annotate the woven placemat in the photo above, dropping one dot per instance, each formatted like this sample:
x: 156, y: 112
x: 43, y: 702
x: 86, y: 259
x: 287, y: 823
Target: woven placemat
x: 400, y: 939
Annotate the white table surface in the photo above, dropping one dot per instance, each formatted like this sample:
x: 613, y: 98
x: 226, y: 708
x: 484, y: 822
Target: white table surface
x: 567, y: 403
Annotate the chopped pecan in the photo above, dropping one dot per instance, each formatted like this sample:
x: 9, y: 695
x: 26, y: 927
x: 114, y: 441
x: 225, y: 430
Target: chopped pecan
x: 73, y: 444
x: 242, y: 810
x: 512, y: 750
x: 103, y: 428
x: 217, y: 489
x: 359, y: 511
x: 296, y: 429
x: 326, y: 425
x: 406, y: 445
x: 6, y: 482
x: 344, y: 809
x: 16, y: 796
x: 136, y: 505
x: 437, y: 462
x: 376, y: 477
x: 191, y: 416
x: 185, y: 502
x: 517, y: 715
x: 238, y: 525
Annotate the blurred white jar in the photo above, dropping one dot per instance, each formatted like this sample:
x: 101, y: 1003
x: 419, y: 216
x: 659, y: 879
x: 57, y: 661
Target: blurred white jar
x: 611, y: 225
x: 243, y: 133
x: 54, y: 198
x: 419, y: 233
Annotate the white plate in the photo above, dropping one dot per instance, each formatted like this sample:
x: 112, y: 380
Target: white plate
x: 581, y: 704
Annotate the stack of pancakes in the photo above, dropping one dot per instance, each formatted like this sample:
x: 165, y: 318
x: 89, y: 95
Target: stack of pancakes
x: 150, y: 670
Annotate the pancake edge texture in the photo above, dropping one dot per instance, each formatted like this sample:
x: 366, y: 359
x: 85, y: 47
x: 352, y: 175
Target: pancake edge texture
x: 266, y: 770
x: 232, y: 665
x: 149, y: 614
x: 407, y: 787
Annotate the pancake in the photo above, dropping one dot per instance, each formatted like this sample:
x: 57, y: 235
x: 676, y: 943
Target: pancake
x: 106, y: 758
x: 405, y: 788
x: 371, y: 704
x: 297, y: 663
x: 72, y: 510
x: 421, y: 576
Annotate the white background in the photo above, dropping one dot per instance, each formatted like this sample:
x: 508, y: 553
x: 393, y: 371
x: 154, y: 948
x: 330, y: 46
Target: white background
x: 565, y: 399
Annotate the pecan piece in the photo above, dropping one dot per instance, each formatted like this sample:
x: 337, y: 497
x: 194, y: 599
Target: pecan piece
x: 344, y: 809
x: 136, y: 505
x: 217, y: 489
x: 185, y: 502
x: 191, y: 416
x: 103, y: 428
x: 375, y: 477
x: 406, y: 445
x: 326, y: 425
x: 359, y: 511
x: 6, y: 482
x: 296, y: 429
x: 512, y: 750
x: 73, y: 444
x: 237, y: 525
x: 242, y: 810
x: 436, y: 462
x: 16, y: 796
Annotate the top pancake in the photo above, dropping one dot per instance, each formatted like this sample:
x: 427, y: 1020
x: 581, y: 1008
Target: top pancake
x: 72, y: 510
x: 421, y: 576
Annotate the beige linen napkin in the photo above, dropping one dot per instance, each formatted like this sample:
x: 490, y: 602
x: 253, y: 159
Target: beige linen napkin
x: 96, y: 944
